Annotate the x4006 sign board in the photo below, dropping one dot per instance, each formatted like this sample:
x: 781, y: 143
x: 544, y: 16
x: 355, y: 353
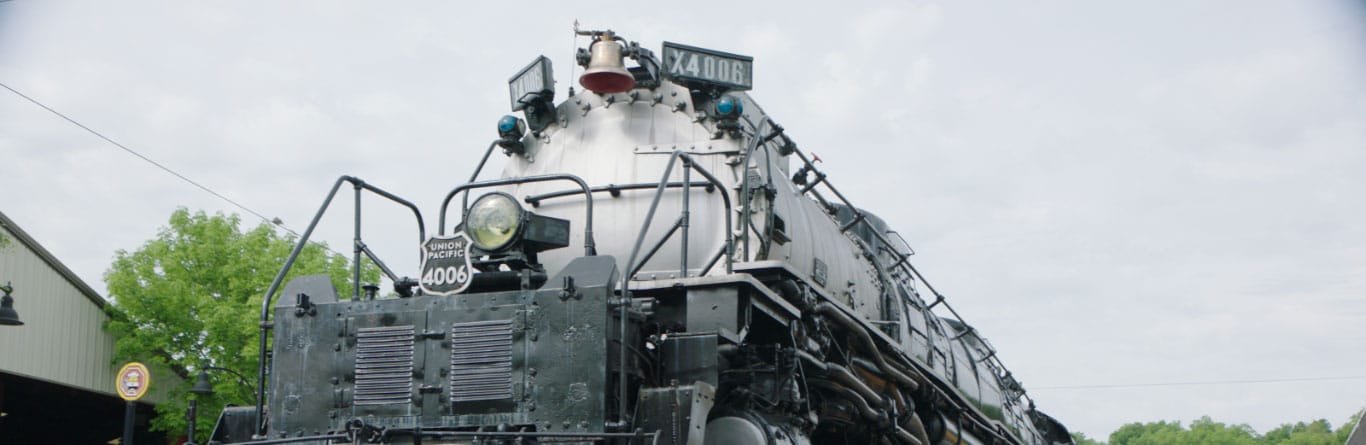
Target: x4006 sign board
x: 692, y: 65
x: 446, y: 268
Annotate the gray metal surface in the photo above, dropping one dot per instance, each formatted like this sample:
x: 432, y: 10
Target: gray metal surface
x: 689, y: 358
x: 734, y: 430
x: 469, y: 360
x: 679, y: 413
x: 481, y: 361
x: 384, y: 365
x: 319, y: 289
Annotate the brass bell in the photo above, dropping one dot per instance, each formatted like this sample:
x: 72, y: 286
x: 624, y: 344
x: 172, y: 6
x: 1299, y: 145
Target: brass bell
x: 606, y: 73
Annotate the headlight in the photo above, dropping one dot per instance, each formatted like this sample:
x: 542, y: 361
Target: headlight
x: 494, y: 221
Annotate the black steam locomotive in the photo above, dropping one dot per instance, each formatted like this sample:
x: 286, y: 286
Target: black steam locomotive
x: 658, y: 263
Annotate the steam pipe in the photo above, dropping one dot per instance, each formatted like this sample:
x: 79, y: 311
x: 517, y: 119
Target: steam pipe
x: 829, y: 310
x: 860, y: 402
x: 868, y: 412
x: 842, y: 375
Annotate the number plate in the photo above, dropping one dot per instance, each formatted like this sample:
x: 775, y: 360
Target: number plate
x: 691, y: 65
x: 446, y: 268
x: 533, y: 82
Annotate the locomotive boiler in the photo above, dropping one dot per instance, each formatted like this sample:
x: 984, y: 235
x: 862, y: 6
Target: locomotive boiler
x: 658, y: 263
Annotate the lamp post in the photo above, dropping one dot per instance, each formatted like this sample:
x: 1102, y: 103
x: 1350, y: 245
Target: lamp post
x: 202, y: 388
x: 8, y: 317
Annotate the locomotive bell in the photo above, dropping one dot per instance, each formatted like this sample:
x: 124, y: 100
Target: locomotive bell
x: 606, y: 72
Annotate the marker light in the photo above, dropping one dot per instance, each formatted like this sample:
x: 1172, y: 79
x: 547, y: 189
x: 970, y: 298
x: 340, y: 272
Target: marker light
x: 510, y: 132
x: 510, y: 127
x: 493, y: 221
x: 729, y: 106
x: 507, y: 123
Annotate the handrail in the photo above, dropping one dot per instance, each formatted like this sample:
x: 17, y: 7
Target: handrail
x: 625, y: 300
x: 754, y: 142
x: 359, y: 247
x: 465, y: 200
x: 614, y: 189
x: 359, y: 184
x: 902, y: 260
x: 589, y: 246
x: 482, y: 160
x: 860, y: 218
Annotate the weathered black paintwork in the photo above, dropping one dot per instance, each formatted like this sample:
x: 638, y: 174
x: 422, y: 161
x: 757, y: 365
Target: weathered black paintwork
x: 315, y: 355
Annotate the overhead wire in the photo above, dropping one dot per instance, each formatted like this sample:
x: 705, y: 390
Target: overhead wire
x: 272, y: 221
x: 1198, y: 383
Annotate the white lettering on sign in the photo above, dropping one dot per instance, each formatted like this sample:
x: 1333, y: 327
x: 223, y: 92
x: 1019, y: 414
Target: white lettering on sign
x: 686, y: 64
x: 531, y: 80
x: 438, y: 276
x: 446, y: 266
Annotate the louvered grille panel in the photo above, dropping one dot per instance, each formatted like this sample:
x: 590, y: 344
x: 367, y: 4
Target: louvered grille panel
x: 481, y: 361
x: 384, y: 365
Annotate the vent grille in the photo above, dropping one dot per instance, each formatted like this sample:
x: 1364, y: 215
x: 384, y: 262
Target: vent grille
x: 384, y: 365
x: 481, y: 361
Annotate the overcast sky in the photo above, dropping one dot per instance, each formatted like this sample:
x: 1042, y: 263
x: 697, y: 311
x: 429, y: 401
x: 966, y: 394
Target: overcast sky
x: 1113, y: 194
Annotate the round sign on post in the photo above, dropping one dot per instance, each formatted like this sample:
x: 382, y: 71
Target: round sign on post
x: 133, y: 380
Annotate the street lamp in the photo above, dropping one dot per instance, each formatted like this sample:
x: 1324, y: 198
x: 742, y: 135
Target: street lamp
x: 8, y: 316
x: 202, y: 388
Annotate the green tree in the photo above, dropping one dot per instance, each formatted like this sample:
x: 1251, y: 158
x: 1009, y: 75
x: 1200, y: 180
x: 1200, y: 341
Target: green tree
x: 1201, y: 431
x: 191, y: 297
x: 1206, y: 431
x: 1151, y: 433
x: 1318, y: 432
x: 1081, y: 439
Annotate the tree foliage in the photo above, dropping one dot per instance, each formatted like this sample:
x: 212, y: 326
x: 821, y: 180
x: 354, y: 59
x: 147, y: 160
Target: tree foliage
x: 1205, y: 431
x: 1080, y: 439
x: 191, y: 297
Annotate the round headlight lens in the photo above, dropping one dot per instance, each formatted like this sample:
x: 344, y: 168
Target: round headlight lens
x: 493, y: 221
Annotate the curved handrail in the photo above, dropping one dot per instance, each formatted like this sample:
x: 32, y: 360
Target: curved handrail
x: 624, y: 302
x: 614, y: 189
x: 289, y: 263
x: 482, y: 160
x: 589, y: 246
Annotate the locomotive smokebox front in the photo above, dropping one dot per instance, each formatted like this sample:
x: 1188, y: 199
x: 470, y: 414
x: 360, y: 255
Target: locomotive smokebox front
x: 519, y: 360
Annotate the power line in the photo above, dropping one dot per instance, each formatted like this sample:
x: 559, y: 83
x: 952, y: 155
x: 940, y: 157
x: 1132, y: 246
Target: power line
x: 274, y: 221
x: 1199, y: 383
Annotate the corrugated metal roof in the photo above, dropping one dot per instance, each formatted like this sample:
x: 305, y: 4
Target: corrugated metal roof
x: 24, y: 238
x: 62, y: 340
